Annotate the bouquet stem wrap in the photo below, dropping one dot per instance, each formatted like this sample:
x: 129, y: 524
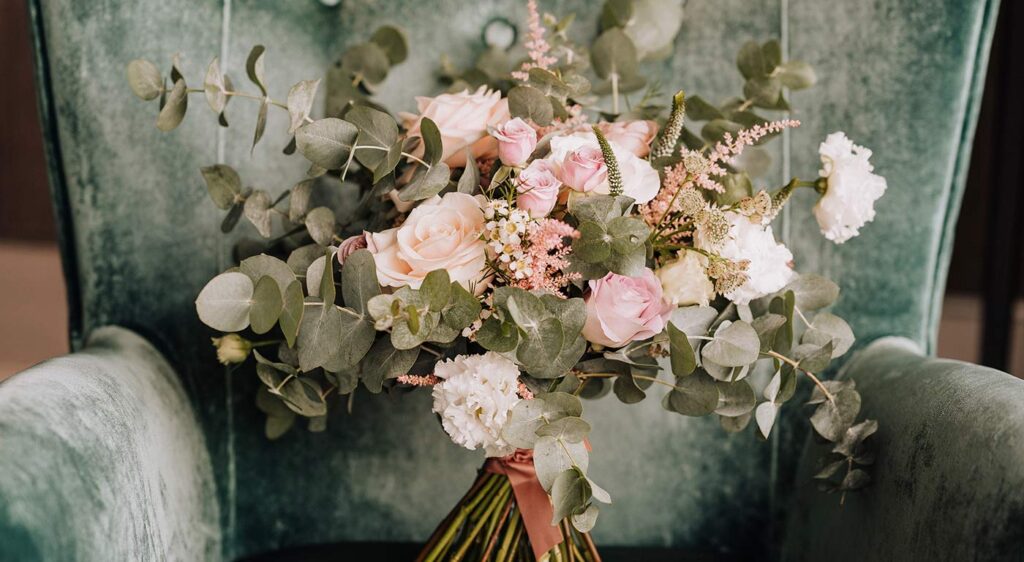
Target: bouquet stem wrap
x: 506, y: 517
x: 531, y: 498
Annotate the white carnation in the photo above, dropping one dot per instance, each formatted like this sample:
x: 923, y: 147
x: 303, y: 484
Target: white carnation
x: 849, y: 202
x: 475, y: 399
x: 768, y: 269
x: 685, y: 280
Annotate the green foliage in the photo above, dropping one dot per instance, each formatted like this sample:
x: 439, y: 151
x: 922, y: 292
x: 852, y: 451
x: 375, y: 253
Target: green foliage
x: 326, y: 142
x: 144, y: 79
x: 608, y: 241
x: 225, y: 301
x: 529, y: 103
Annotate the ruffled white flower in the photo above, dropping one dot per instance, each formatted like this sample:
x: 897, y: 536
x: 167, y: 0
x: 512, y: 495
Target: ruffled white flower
x: 685, y: 280
x: 475, y: 399
x: 768, y: 267
x: 849, y: 202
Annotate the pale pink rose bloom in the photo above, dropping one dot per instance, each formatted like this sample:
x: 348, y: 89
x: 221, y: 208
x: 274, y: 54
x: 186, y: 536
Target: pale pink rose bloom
x: 639, y: 179
x: 538, y: 188
x: 622, y: 309
x: 440, y: 233
x: 463, y: 120
x: 634, y: 136
x: 516, y: 141
x: 583, y: 169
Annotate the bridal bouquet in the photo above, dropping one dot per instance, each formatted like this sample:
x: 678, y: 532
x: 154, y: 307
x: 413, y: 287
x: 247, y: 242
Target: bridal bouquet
x: 526, y: 240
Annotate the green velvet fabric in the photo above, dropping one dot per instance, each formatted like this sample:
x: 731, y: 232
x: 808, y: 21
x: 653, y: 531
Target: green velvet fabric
x: 141, y: 238
x: 948, y: 484
x: 102, y: 458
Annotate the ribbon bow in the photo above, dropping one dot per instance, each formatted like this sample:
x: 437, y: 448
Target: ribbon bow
x: 531, y: 498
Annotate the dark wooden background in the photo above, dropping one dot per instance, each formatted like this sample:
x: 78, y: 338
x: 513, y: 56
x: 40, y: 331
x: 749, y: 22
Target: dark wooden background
x: 986, y: 256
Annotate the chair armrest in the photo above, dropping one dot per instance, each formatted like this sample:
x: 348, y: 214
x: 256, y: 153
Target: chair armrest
x: 948, y: 483
x: 102, y: 458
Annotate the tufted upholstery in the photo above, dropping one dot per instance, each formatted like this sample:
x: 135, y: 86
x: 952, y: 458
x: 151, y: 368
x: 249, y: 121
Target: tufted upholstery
x: 140, y: 238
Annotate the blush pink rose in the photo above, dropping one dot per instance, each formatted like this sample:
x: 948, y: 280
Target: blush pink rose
x: 463, y: 120
x: 516, y: 141
x: 622, y: 309
x: 634, y: 136
x: 440, y: 233
x: 583, y: 169
x: 538, y: 188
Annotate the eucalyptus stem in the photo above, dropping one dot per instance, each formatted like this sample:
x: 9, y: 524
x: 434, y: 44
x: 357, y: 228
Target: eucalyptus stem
x: 796, y: 366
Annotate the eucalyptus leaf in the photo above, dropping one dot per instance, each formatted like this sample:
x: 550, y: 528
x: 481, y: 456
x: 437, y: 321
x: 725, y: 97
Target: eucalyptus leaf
x: 813, y: 291
x: 750, y: 61
x: 266, y: 305
x: 376, y: 129
x: 326, y: 142
x: 393, y: 42
x: 569, y: 429
x: 384, y: 361
x: 530, y: 103
x: 469, y: 183
x: 223, y: 184
x: 259, y: 265
x: 765, y: 414
x: 318, y: 333
x: 433, y: 148
x: 257, y: 210
x: 359, y: 280
x: 735, y: 398
x: 733, y: 345
x: 320, y: 224
x: 682, y: 359
x: 366, y: 61
x: 291, y: 312
x: 144, y: 79
x: 613, y: 53
x: 694, y: 395
x: 551, y: 457
x: 831, y: 419
x: 225, y: 301
x: 569, y: 491
x: 300, y: 103
x: 829, y: 328
x: 298, y: 201
x: 427, y: 183
x: 797, y: 75
x: 214, y: 89
x: 173, y: 111
x: 261, y: 125
x: 254, y: 67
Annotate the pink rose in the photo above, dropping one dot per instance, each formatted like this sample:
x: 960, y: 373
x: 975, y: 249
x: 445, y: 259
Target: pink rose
x: 622, y: 309
x: 577, y: 154
x: 440, y: 233
x: 463, y: 120
x: 583, y: 169
x: 516, y: 141
x: 634, y: 136
x: 538, y: 188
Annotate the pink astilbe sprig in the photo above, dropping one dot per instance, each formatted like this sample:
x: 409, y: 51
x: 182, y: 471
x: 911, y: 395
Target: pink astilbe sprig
x: 418, y: 380
x: 676, y: 177
x: 537, y: 46
x: 547, y: 253
x: 726, y: 151
x: 524, y: 391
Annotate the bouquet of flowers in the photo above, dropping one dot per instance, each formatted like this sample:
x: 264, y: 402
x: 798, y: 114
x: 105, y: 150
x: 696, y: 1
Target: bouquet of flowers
x: 521, y: 243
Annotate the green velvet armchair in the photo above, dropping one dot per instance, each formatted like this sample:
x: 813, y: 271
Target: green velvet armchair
x: 138, y: 446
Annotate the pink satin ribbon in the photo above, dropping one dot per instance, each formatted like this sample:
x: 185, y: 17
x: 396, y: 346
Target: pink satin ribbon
x: 533, y: 501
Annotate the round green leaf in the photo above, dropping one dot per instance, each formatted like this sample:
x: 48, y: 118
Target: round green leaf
x: 734, y: 345
x: 174, y: 108
x: 393, y: 42
x: 326, y: 142
x: 225, y: 301
x: 320, y: 224
x: 530, y: 103
x: 144, y: 79
x: 367, y: 61
x: 223, y: 183
x: 266, y: 305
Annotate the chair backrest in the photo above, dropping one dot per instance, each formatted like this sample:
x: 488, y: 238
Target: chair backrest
x: 140, y: 237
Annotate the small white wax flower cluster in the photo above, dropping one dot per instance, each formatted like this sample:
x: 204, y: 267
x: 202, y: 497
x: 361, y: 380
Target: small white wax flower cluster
x: 475, y: 400
x: 505, y: 232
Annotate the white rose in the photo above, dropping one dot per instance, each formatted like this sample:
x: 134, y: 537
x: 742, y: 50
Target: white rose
x: 685, y: 280
x: 463, y: 120
x: 440, y: 233
x: 475, y: 399
x: 769, y: 260
x: 849, y: 201
x: 639, y: 179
